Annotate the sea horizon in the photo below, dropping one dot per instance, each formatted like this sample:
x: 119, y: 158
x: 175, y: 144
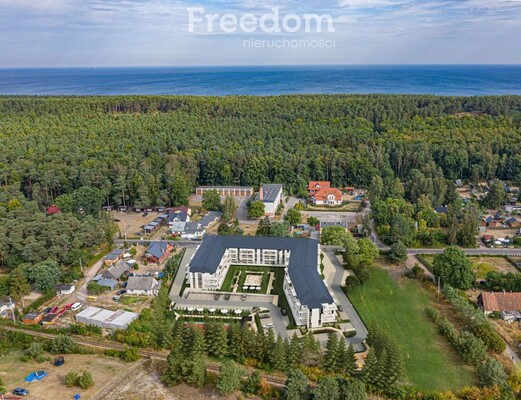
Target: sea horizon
x: 265, y: 80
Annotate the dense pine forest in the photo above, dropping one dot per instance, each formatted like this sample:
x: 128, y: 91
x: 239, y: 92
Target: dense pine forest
x: 89, y: 151
x: 154, y: 150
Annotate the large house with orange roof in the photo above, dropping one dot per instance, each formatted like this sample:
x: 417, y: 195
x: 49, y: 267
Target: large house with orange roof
x: 327, y: 197
x: 315, y: 186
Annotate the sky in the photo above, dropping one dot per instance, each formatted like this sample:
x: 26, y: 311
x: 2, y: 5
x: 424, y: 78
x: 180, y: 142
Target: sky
x: 88, y: 33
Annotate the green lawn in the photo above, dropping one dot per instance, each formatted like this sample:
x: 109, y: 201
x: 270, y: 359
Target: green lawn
x: 430, y: 362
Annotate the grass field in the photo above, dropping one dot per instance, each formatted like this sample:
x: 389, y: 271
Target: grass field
x: 397, y: 308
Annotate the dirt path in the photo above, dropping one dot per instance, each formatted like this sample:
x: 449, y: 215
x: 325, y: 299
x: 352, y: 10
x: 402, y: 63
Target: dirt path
x: 105, y: 393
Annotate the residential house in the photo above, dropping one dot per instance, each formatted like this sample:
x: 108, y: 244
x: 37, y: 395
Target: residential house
x: 32, y: 318
x: 492, y: 222
x: 110, y: 283
x: 327, y: 197
x: 271, y: 196
x: 64, y: 289
x: 210, y: 218
x: 513, y: 223
x: 177, y: 228
x: 500, y: 302
x: 308, y: 297
x: 315, y: 186
x: 177, y: 216
x: 157, y: 252
x: 113, y: 256
x: 142, y: 286
x: 441, y: 210
x: 193, y: 231
x: 180, y: 208
x: 116, y: 270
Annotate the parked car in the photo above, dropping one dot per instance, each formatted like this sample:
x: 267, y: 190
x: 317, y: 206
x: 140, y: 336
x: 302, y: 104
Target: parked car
x: 116, y: 298
x: 216, y: 296
x: 59, y: 361
x: 243, y: 297
x: 124, y: 284
x: 340, y: 308
x: 145, y: 214
x: 120, y: 292
x: 54, y: 310
x: 20, y: 392
x: 76, y: 306
x: 283, y: 311
x: 47, y: 310
x: 227, y: 296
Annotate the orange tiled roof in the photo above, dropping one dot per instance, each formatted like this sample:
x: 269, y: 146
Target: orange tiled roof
x: 323, y: 193
x: 314, y: 185
x: 501, y: 301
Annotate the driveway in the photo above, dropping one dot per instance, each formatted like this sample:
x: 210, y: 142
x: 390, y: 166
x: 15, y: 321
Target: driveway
x: 334, y: 273
x: 242, y: 209
x: 292, y: 201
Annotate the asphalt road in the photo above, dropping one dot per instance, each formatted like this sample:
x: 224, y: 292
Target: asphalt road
x: 334, y: 272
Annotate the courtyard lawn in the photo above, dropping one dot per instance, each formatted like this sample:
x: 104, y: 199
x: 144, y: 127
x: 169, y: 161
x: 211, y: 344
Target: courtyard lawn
x: 398, y: 309
x: 238, y: 273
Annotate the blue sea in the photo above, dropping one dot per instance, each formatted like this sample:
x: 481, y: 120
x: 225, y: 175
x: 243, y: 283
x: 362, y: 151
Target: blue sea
x: 453, y: 80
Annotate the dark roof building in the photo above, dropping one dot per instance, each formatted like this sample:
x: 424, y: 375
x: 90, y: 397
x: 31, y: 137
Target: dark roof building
x: 117, y: 270
x: 210, y: 218
x: 302, y: 266
x: 270, y: 192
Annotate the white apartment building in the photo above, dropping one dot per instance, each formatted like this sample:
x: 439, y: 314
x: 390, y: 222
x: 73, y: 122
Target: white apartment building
x: 309, y: 299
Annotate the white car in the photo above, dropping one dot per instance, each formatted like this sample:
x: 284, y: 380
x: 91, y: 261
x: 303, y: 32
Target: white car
x: 76, y: 306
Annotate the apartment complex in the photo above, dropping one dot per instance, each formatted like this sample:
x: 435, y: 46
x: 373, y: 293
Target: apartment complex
x: 309, y: 299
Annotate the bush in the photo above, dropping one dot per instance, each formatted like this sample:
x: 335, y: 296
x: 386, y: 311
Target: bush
x: 71, y: 378
x: 491, y: 373
x: 95, y: 288
x: 415, y: 272
x: 85, y: 380
x: 35, y: 352
x: 491, y: 338
x: 130, y: 354
x: 63, y: 344
x: 352, y: 282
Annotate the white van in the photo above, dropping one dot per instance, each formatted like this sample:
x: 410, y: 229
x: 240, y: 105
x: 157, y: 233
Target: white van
x: 76, y: 306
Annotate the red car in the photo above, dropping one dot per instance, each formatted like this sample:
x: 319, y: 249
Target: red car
x: 69, y: 306
x: 54, y: 309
